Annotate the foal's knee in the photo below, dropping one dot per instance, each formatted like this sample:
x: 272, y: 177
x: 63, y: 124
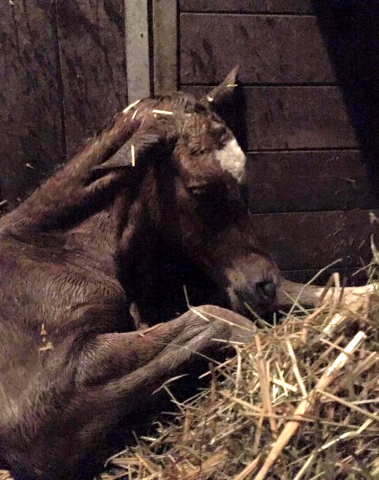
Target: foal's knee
x: 236, y: 326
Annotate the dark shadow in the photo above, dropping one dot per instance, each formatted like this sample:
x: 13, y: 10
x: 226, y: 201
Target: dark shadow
x: 164, y: 411
x: 351, y: 32
x: 239, y: 126
x: 233, y: 113
x: 161, y: 280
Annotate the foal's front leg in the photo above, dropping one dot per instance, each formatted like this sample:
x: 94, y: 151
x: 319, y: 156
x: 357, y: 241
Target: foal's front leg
x: 118, y: 373
x: 158, y: 352
x: 78, y: 189
x: 72, y: 187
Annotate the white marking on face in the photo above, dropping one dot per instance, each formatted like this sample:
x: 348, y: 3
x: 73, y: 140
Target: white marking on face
x: 232, y: 159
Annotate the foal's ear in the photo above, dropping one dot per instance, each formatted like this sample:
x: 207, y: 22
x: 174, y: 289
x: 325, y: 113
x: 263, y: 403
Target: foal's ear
x: 223, y: 92
x: 131, y: 152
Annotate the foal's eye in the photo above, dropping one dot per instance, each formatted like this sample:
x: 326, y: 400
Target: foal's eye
x: 197, y: 151
x: 198, y: 191
x: 205, y: 192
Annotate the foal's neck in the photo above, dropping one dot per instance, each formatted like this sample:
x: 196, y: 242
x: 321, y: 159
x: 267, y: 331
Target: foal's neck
x: 102, y: 235
x: 97, y: 235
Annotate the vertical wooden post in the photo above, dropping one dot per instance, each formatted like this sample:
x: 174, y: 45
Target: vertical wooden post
x: 137, y: 49
x: 165, y: 46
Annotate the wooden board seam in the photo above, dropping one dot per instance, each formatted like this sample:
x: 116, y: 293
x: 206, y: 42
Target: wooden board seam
x: 308, y: 211
x: 247, y: 12
x: 304, y: 150
x: 267, y: 85
x: 60, y: 84
x: 253, y: 84
x: 363, y: 210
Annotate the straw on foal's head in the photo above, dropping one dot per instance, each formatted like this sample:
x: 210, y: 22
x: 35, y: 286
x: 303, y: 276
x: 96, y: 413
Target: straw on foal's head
x: 192, y: 193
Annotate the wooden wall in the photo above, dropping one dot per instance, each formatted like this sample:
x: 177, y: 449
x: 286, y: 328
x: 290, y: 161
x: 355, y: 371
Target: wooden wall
x: 309, y: 118
x: 310, y: 187
x: 62, y: 75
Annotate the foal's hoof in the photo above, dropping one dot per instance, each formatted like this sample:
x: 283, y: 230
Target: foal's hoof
x: 240, y: 329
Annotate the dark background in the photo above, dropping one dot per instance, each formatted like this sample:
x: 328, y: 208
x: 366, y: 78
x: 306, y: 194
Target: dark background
x: 308, y: 106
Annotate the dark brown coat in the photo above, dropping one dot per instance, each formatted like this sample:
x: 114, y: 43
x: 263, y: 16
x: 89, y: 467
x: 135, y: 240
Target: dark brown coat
x: 71, y: 366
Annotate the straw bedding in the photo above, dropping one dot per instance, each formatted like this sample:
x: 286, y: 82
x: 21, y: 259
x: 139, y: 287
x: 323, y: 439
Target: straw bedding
x: 300, y: 402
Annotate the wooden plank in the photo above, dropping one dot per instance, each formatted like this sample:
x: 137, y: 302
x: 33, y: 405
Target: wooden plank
x: 312, y: 240
x: 297, y: 117
x: 137, y: 49
x: 91, y: 36
x: 270, y: 49
x: 31, y: 131
x: 247, y: 6
x: 293, y: 117
x: 317, y: 180
x: 165, y: 46
x: 354, y: 276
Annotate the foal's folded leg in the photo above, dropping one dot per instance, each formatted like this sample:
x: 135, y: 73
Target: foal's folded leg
x: 118, y: 373
x: 81, y: 187
x: 115, y: 379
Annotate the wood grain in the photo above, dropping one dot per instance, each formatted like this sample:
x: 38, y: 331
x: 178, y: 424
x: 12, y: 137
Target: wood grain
x: 92, y: 53
x: 293, y: 117
x: 247, y: 6
x: 354, y: 276
x: 31, y: 129
x: 312, y: 240
x: 269, y: 49
x: 317, y: 180
x: 165, y: 47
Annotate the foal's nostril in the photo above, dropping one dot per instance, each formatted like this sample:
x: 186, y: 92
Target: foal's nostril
x: 267, y: 290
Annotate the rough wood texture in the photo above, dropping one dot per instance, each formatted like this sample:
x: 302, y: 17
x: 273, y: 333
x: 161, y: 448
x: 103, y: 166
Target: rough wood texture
x: 31, y: 133
x: 293, y: 117
x: 137, y: 49
x: 165, y: 46
x: 92, y: 52
x: 317, y: 180
x: 354, y: 276
x: 248, y: 6
x: 312, y: 240
x: 270, y: 49
x: 297, y: 117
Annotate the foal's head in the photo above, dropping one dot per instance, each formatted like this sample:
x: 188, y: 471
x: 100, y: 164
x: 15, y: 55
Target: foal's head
x: 190, y: 192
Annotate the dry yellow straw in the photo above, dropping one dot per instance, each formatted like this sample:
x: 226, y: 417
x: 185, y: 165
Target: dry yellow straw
x: 163, y: 112
x: 133, y: 156
x: 304, y: 406
x: 129, y: 107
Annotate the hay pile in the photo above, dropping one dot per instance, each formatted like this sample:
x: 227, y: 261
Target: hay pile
x: 301, y: 402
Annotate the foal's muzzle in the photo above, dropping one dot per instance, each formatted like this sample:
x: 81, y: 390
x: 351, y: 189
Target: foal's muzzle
x: 266, y: 291
x: 253, y: 286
